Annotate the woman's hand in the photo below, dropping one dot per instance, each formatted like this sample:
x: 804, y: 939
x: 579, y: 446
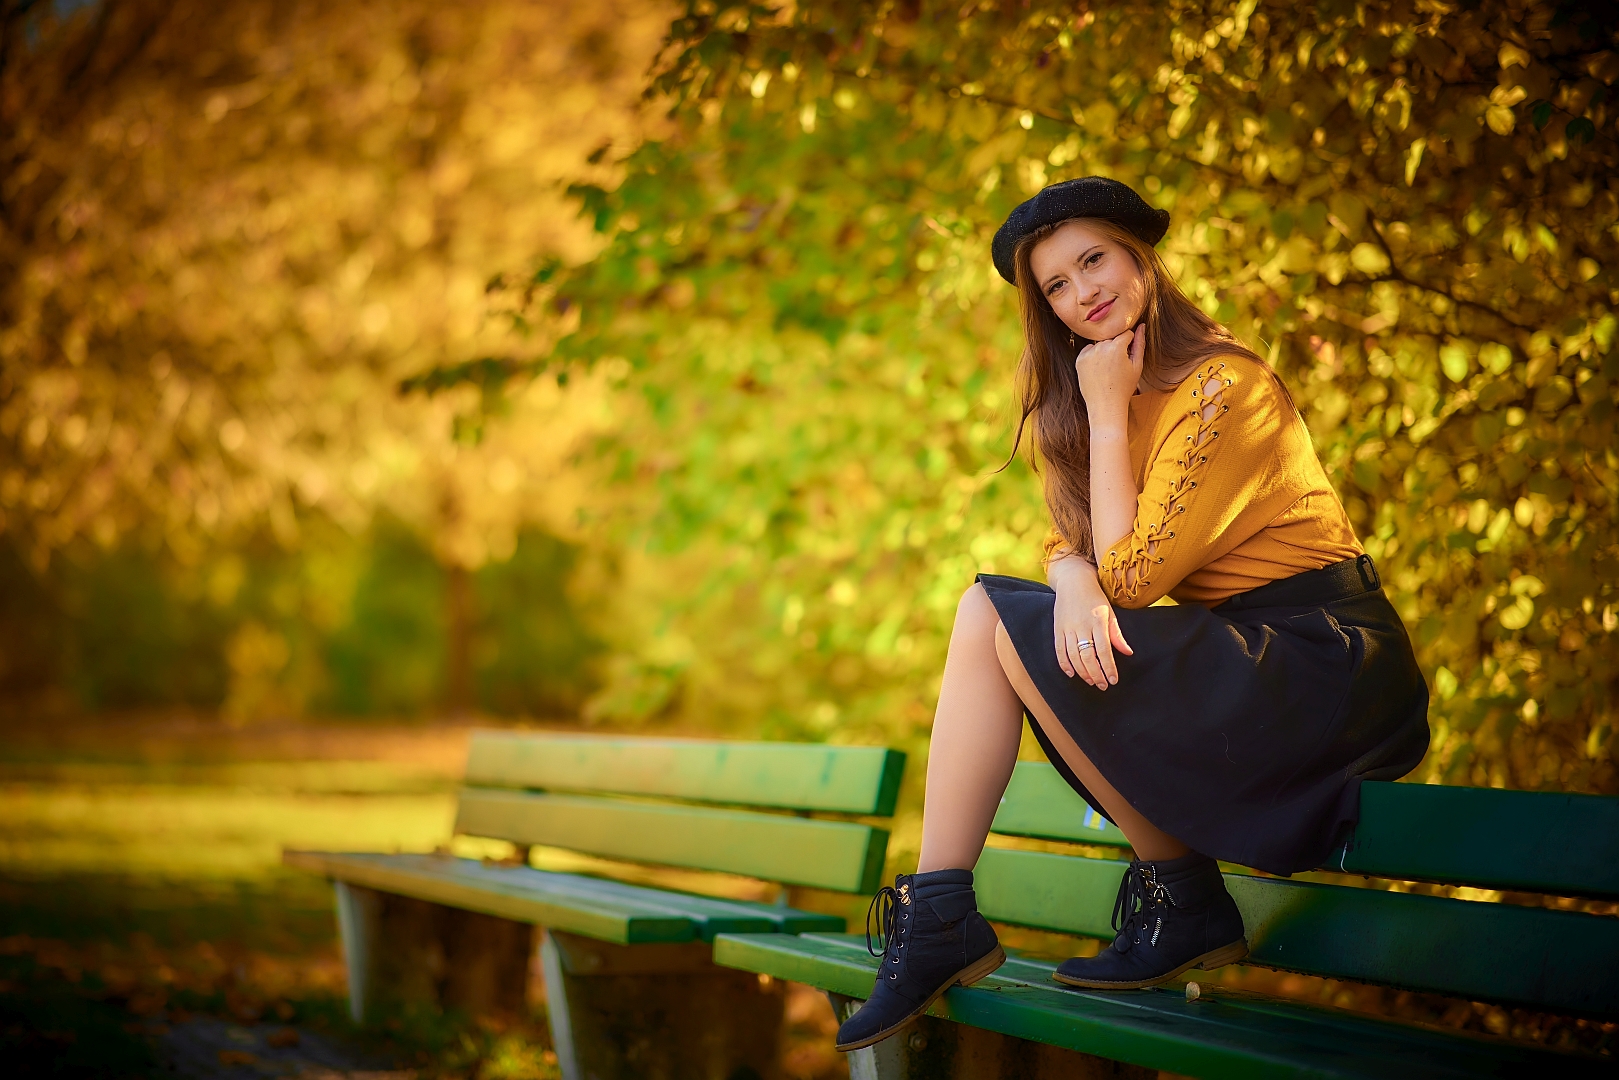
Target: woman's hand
x: 1109, y: 372
x: 1085, y: 629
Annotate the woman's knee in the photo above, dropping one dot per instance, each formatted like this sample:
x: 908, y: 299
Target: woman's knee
x: 976, y: 620
x: 976, y: 611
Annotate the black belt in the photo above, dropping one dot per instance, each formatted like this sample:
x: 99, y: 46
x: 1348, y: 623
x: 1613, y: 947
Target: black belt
x: 1313, y: 588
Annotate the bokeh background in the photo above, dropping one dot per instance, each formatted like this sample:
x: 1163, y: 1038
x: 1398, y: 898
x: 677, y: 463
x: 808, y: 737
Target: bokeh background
x: 372, y: 370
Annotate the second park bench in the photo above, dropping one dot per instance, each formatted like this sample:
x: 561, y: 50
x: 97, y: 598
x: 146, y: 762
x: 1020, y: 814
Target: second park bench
x: 631, y: 987
x: 1018, y: 1023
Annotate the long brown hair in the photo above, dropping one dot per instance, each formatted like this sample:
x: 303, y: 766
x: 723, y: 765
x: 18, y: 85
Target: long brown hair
x: 1179, y: 338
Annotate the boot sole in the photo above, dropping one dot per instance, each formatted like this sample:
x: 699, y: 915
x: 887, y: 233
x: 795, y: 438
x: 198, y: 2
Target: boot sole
x: 974, y: 972
x: 1226, y: 954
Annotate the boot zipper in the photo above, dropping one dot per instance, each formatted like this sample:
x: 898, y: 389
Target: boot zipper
x: 1156, y: 890
x: 1158, y: 893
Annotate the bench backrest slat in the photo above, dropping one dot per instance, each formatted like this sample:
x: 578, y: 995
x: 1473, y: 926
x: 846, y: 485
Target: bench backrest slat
x: 1039, y: 803
x: 1533, y: 841
x: 1542, y: 958
x: 839, y: 855
x: 796, y: 776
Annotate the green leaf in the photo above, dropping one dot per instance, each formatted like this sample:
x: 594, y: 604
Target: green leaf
x: 1516, y: 616
x: 1445, y: 683
x: 1453, y: 359
x: 1495, y: 358
x: 1580, y: 129
x: 1540, y: 112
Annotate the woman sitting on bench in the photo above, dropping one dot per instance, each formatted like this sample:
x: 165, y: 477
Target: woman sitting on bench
x: 1236, y: 724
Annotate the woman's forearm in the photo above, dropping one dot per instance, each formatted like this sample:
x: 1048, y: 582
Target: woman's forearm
x: 1113, y: 488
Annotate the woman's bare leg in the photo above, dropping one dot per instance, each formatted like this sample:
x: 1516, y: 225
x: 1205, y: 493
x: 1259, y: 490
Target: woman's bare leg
x: 976, y: 731
x: 1150, y: 842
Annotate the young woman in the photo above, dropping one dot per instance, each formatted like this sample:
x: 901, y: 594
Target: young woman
x: 1236, y: 724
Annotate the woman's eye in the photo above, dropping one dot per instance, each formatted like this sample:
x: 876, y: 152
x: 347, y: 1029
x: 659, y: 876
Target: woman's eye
x: 1056, y: 288
x: 1093, y: 260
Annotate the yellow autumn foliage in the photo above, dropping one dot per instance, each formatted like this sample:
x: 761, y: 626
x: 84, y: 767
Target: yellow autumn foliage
x: 748, y: 338
x: 231, y: 230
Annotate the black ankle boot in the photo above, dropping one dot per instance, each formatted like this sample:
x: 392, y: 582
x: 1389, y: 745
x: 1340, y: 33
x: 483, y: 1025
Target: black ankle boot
x: 933, y: 938
x: 1170, y: 916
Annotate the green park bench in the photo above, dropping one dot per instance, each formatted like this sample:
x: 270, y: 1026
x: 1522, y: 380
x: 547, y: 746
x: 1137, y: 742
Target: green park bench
x: 1018, y: 1023
x: 631, y: 986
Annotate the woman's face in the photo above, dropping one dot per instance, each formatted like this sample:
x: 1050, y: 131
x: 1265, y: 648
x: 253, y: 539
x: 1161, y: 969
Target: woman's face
x: 1090, y: 280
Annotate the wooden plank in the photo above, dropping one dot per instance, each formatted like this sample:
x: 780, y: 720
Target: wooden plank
x: 1558, y: 960
x: 795, y: 776
x: 1054, y: 892
x: 708, y: 915
x: 941, y: 1050
x: 455, y: 883
x: 1217, y: 1037
x: 1533, y: 841
x: 837, y: 855
x: 1039, y: 803
x: 712, y: 915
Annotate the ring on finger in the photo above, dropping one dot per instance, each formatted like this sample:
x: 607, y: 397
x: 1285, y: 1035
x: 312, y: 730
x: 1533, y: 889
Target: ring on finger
x: 1087, y: 645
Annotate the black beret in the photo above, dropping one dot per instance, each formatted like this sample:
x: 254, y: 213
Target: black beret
x: 1085, y: 196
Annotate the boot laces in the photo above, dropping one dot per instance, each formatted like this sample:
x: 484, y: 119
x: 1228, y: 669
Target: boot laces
x: 886, y: 907
x: 1138, y: 891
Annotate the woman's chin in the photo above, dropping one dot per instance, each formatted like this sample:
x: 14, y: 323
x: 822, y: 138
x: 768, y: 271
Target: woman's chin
x: 1110, y: 326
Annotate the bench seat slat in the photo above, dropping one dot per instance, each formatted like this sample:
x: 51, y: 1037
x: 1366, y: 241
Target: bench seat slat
x: 1227, y: 1035
x: 711, y: 914
x: 593, y: 907
x: 458, y: 883
x: 793, y: 776
x: 1557, y: 960
x: 837, y: 855
x: 1534, y: 841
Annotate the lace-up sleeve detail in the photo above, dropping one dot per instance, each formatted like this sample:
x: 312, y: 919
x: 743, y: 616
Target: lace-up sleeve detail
x: 1053, y: 545
x: 1178, y: 516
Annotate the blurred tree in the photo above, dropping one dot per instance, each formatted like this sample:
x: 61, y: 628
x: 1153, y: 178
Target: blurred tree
x: 343, y: 625
x: 229, y: 231
x: 1410, y: 207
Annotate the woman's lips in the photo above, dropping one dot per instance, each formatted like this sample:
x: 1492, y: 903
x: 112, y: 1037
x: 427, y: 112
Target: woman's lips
x: 1100, y: 313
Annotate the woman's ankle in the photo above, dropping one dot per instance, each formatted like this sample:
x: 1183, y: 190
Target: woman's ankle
x: 941, y: 857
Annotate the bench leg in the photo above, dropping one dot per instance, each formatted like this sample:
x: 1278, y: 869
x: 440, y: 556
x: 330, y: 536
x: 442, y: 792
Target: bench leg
x: 627, y: 1012
x: 405, y: 952
x: 941, y: 1050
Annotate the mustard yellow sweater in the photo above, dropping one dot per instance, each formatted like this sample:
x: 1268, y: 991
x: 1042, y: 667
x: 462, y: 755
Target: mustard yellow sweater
x: 1228, y: 502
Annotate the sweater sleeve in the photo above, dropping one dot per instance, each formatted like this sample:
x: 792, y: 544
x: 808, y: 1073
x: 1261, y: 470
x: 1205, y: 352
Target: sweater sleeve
x: 1209, y: 467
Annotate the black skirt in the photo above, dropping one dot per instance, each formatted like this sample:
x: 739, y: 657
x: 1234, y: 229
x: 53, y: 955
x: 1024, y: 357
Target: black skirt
x: 1243, y: 730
